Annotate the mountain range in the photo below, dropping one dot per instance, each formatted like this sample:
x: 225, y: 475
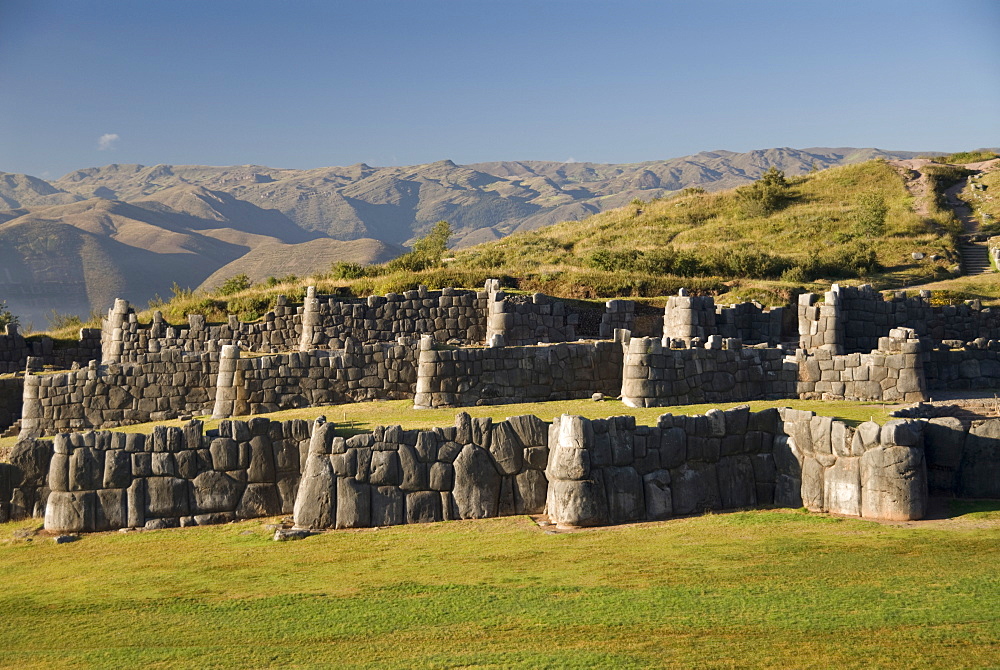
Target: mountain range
x: 75, y: 243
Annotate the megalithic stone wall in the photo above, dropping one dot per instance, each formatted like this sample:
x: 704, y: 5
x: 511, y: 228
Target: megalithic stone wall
x: 686, y: 317
x: 473, y: 470
x: 524, y: 320
x: 580, y: 471
x: 891, y: 373
x: 174, y: 477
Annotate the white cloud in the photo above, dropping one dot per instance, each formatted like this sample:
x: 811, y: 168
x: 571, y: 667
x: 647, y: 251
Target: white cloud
x: 107, y: 141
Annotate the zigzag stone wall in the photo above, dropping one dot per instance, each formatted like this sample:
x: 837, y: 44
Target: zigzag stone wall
x: 579, y: 471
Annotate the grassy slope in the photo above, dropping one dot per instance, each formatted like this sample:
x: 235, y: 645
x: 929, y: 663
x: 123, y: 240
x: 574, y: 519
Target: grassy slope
x: 821, y: 208
x: 555, y: 259
x: 749, y: 589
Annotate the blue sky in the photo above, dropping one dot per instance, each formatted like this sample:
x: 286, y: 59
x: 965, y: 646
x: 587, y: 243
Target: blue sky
x: 307, y: 83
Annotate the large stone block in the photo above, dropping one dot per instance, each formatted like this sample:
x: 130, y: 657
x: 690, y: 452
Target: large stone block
x: 385, y: 469
x: 695, y: 488
x: 842, y: 487
x: 979, y: 470
x: 577, y: 503
x: 944, y: 441
x: 215, y: 492
x: 259, y: 500
x: 353, y: 504
x: 893, y: 483
x: 530, y: 491
x: 423, y: 507
x: 111, y: 511
x: 812, y: 483
x: 656, y: 487
x: 737, y: 486
x: 31, y: 458
x: 387, y: 506
x: 70, y: 512
x: 316, y: 500
x: 166, y: 497
x: 86, y: 469
x: 261, y: 468
x: 477, y: 484
x: 225, y: 454
x: 624, y: 488
x: 506, y: 449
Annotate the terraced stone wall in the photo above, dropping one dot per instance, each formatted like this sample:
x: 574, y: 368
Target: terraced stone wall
x: 174, y: 477
x: 501, y: 375
x: 158, y: 386
x: 853, y: 319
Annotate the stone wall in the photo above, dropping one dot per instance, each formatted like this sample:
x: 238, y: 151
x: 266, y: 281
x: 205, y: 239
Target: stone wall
x: 174, y: 477
x: 579, y: 471
x: 358, y: 372
x: 655, y: 376
x: 892, y: 373
x: 323, y: 322
x: 159, y: 386
x: 473, y: 470
x: 500, y: 375
x: 525, y: 320
x: 974, y: 365
x: 852, y: 319
x: 686, y: 317
x: 15, y: 349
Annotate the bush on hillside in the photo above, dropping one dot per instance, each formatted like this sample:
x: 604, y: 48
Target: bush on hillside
x: 765, y: 196
x: 869, y: 215
x: 234, y: 285
x: 5, y: 316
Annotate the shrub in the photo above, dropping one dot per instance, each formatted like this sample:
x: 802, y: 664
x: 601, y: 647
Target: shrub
x: 249, y: 307
x: 869, y: 215
x: 234, y: 285
x: 765, y: 196
x: 5, y: 315
x: 347, y: 270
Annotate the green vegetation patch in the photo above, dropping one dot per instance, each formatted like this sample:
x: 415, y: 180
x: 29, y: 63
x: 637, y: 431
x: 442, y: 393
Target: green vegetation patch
x: 751, y: 589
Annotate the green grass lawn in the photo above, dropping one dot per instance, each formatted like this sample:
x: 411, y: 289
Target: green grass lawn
x: 364, y: 416
x: 776, y: 589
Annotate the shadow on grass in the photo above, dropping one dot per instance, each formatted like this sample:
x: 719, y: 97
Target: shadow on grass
x: 974, y: 508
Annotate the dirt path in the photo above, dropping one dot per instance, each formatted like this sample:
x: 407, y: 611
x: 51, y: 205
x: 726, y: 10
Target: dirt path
x: 973, y: 251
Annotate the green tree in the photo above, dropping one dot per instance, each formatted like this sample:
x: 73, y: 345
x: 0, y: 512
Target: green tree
x: 766, y: 195
x: 234, y: 285
x: 869, y: 215
x: 5, y: 316
x: 427, y: 251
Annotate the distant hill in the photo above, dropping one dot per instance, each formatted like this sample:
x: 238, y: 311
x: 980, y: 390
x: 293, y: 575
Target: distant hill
x: 75, y: 243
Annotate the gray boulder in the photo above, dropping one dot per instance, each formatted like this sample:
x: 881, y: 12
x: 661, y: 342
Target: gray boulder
x: 259, y: 500
x: 979, y: 470
x: 624, y: 488
x: 506, y: 448
x: 215, y: 492
x: 354, y: 508
x: 577, y: 503
x: 423, y: 507
x: 387, y: 506
x: 694, y: 488
x: 737, y: 486
x: 656, y: 487
x: 166, y: 497
x: 812, y: 484
x: 477, y: 484
x: 70, y: 512
x: 530, y: 490
x: 842, y: 487
x: 893, y: 483
x: 316, y: 500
